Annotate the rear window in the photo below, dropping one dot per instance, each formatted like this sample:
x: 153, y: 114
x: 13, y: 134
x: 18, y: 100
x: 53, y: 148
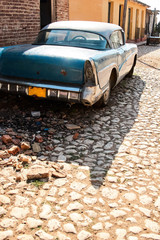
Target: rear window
x: 72, y: 38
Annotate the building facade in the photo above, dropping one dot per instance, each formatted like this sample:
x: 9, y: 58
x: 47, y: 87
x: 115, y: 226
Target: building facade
x: 21, y: 20
x: 112, y: 11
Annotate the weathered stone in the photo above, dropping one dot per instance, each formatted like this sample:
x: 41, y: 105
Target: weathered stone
x: 112, y: 179
x: 34, y: 223
x: 135, y: 229
x: 4, y: 154
x: 43, y: 235
x: 62, y: 236
x: 53, y: 225
x: 76, y: 217
x: 132, y: 238
x: 145, y: 211
x: 151, y: 236
x: 89, y: 200
x: 58, y: 174
x: 2, y: 211
x: 60, y: 182
x: 39, y: 138
x: 75, y: 196
x: 109, y: 193
x: 121, y: 233
x: 130, y: 196
x: 21, y: 228
x: 103, y: 236
x: 152, y: 226
x: 74, y: 206
x: 52, y: 191
x: 80, y: 176
x: 97, y: 226
x: 61, y: 158
x: 6, y: 234
x: 72, y: 126
x: 118, y: 213
x: 83, y: 235
x: 92, y: 213
x: 36, y: 147
x: 69, y: 228
x: 108, y: 225
x: 21, y: 201
x: 8, y: 223
x: 14, y: 150
x: 38, y: 173
x: 46, y: 212
x: 25, y: 145
x: 25, y: 237
x: 6, y: 139
x: 19, y: 213
x: 157, y: 203
x: 145, y: 200
x: 4, y: 200
x: 75, y: 136
x: 78, y: 186
x: 24, y: 158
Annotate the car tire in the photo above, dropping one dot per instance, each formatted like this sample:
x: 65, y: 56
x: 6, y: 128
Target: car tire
x: 130, y: 74
x: 102, y: 102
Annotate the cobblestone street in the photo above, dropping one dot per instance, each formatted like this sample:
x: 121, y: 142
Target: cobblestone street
x: 107, y: 162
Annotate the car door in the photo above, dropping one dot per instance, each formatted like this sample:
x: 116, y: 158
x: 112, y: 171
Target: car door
x: 118, y: 43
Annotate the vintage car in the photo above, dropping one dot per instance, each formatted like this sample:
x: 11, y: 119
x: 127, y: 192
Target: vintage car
x: 77, y: 61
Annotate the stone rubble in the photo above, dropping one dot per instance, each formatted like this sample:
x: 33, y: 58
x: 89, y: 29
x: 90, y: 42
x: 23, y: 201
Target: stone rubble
x: 71, y: 172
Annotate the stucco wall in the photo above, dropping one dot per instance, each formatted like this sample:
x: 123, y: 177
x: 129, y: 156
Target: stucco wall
x: 19, y: 21
x: 97, y: 10
x: 88, y: 10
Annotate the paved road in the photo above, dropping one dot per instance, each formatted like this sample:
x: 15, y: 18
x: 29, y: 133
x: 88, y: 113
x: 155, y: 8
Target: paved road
x: 112, y: 164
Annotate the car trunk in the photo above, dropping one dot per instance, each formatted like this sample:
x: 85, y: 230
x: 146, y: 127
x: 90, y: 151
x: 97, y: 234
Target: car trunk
x: 45, y: 63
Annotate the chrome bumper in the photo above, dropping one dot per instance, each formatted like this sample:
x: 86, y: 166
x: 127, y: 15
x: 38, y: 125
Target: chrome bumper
x: 86, y: 95
x: 65, y: 93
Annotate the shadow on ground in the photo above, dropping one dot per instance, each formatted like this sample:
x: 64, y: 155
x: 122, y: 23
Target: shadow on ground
x: 102, y: 130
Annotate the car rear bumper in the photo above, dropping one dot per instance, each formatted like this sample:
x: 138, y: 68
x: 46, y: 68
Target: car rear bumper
x: 61, y: 92
x: 86, y: 95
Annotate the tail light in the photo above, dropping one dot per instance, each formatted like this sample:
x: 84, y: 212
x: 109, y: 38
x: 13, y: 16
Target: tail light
x: 89, y: 76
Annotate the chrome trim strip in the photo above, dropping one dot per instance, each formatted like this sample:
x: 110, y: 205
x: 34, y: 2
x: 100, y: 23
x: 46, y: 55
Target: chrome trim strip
x: 94, y: 71
x: 30, y: 84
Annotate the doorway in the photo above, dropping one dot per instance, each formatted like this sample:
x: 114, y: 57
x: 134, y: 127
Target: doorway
x: 45, y: 12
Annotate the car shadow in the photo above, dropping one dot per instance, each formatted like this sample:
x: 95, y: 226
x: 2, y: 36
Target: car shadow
x: 100, y: 131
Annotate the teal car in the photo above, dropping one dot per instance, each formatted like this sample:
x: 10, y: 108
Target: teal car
x: 75, y: 61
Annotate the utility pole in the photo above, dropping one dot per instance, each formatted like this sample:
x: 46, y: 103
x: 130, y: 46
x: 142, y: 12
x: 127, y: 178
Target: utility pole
x: 124, y: 14
x: 154, y: 19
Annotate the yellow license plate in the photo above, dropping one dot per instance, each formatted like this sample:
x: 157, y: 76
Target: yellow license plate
x: 38, y: 92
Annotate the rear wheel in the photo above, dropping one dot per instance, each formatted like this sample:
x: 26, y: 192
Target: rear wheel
x: 102, y: 102
x: 130, y: 74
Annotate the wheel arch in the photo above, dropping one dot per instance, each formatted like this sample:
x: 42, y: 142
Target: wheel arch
x: 135, y: 60
x: 113, y: 77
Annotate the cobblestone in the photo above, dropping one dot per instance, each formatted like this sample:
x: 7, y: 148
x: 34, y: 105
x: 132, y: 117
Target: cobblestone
x: 111, y: 157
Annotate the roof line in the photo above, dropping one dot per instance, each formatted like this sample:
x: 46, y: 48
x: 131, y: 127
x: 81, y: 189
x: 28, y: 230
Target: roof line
x: 144, y: 4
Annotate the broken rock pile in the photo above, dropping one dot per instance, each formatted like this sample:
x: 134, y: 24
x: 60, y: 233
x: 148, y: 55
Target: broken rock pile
x: 18, y: 158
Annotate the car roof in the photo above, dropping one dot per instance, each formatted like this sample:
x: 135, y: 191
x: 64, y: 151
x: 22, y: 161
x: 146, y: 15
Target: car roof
x: 102, y: 28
